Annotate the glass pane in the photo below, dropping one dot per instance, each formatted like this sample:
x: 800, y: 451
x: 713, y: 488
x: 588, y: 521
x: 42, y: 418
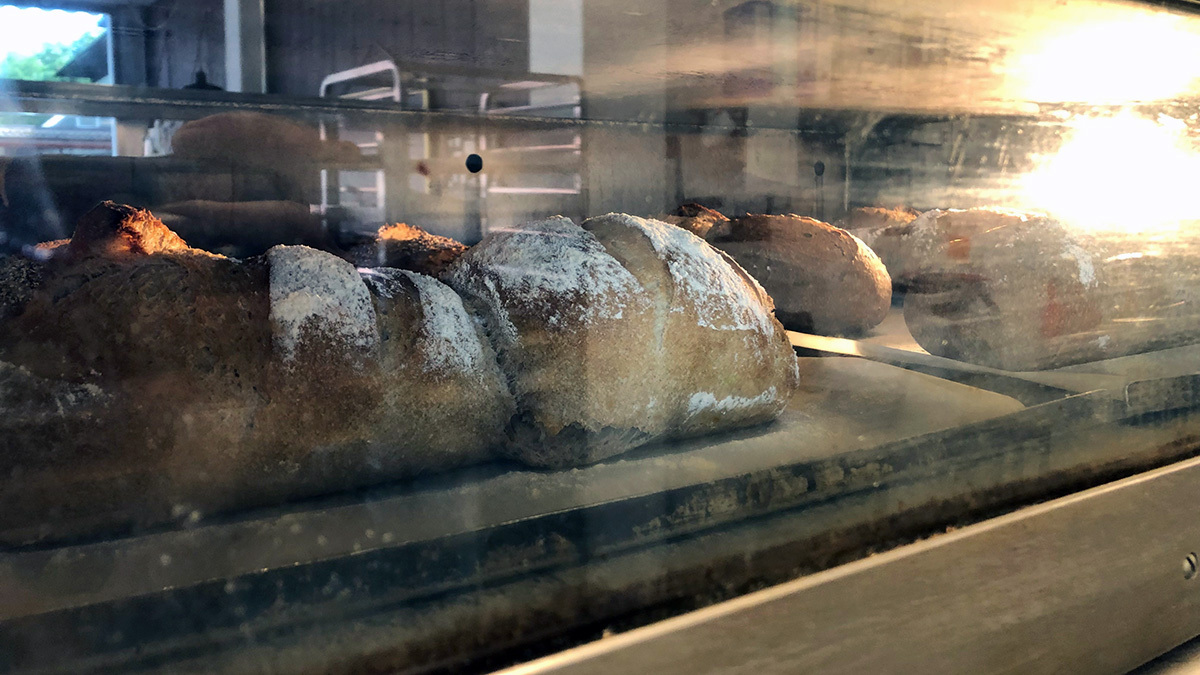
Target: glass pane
x: 399, y: 334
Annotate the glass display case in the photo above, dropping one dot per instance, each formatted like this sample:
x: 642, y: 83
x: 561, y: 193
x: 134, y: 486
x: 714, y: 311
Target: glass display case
x: 377, y: 336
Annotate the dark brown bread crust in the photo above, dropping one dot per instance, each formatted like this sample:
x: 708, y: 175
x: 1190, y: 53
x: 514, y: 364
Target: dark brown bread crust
x: 408, y: 247
x: 884, y: 230
x: 118, y: 231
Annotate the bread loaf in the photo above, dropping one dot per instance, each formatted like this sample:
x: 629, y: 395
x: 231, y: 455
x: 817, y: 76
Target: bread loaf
x: 171, y: 382
x: 621, y: 332
x: 232, y: 383
x: 823, y: 279
x: 1002, y: 288
x: 726, y: 360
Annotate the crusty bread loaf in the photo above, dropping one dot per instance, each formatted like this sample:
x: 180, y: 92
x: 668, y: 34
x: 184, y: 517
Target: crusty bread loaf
x: 574, y: 332
x: 621, y: 332
x: 179, y: 382
x: 227, y: 383
x: 882, y: 229
x: 1002, y: 288
x: 726, y: 361
x: 823, y: 279
x: 407, y: 247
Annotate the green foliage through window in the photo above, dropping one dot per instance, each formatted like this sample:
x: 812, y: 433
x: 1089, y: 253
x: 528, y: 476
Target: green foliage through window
x: 45, y: 64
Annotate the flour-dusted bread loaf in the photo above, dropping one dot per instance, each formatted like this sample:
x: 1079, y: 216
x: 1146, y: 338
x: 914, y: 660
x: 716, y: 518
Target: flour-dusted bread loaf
x: 1003, y: 288
x: 407, y: 247
x: 823, y: 279
x: 232, y: 383
x: 884, y: 230
x: 621, y: 332
x: 726, y: 360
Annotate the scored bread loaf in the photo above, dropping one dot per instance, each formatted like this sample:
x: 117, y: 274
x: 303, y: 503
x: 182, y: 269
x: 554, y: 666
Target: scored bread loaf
x: 234, y: 383
x: 726, y: 359
x: 620, y: 332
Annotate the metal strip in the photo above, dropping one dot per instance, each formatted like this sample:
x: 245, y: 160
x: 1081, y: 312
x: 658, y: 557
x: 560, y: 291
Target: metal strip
x: 245, y: 46
x: 1098, y: 582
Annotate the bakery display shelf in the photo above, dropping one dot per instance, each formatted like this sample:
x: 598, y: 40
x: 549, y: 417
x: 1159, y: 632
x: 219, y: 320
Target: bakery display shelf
x: 865, y: 451
x: 130, y: 102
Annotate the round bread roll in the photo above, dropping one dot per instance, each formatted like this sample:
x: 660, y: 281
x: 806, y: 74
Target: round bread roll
x: 234, y: 383
x: 882, y: 229
x: 823, y: 279
x: 621, y: 332
x: 1002, y: 288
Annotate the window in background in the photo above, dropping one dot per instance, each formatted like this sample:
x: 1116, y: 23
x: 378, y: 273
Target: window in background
x: 53, y: 45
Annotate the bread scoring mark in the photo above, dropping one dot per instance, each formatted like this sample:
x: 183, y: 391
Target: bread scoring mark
x: 706, y: 279
x: 544, y: 262
x: 317, y: 290
x: 449, y: 334
x: 449, y: 342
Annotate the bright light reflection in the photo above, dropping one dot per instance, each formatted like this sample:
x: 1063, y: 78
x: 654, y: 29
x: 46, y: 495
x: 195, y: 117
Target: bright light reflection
x: 1145, y: 58
x: 1121, y: 173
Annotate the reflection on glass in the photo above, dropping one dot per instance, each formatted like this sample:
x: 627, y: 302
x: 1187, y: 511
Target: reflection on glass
x: 1124, y: 172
